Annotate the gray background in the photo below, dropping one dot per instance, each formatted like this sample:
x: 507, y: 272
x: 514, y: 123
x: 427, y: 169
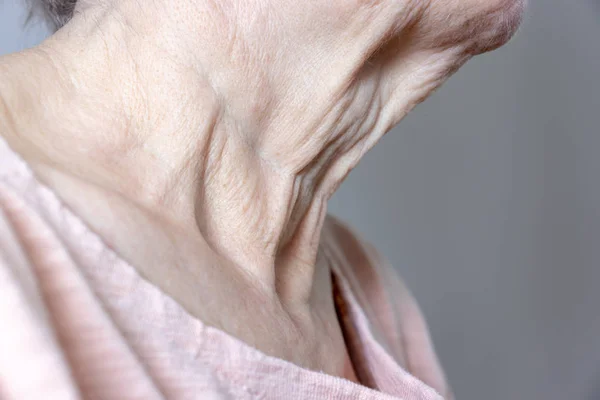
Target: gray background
x: 487, y: 199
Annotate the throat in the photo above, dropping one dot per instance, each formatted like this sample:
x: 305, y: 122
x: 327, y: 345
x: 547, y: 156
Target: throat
x: 183, y: 167
x: 258, y: 213
x: 294, y: 320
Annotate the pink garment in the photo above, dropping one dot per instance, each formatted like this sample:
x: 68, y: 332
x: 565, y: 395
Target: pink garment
x: 77, y: 321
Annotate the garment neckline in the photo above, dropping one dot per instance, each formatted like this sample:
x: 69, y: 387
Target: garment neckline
x: 39, y: 197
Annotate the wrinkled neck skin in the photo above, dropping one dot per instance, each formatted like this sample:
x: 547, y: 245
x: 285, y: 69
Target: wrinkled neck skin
x: 234, y: 122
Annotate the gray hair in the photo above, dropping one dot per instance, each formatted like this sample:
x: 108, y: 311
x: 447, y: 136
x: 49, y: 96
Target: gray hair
x: 55, y: 12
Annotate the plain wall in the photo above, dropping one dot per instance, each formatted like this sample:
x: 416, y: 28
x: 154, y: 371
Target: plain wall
x: 487, y: 199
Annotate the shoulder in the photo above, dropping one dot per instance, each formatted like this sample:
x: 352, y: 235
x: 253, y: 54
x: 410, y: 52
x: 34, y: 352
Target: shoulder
x: 391, y: 309
x: 32, y: 362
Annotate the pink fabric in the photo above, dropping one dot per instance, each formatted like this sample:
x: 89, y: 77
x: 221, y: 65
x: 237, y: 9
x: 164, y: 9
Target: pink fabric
x: 77, y: 321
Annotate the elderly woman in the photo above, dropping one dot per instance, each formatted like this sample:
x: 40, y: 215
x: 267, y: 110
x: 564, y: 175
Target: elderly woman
x: 165, y: 168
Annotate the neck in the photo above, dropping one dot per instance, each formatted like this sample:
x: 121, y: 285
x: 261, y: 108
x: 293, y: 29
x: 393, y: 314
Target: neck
x: 127, y: 108
x: 234, y: 121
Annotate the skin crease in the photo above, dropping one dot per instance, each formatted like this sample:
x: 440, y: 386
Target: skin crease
x: 211, y: 134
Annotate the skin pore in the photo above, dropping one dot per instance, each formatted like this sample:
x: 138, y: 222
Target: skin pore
x: 211, y: 134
